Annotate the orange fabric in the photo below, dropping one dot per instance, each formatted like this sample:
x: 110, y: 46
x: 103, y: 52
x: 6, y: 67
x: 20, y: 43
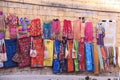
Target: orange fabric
x: 96, y: 60
x: 70, y: 60
x: 77, y: 29
x: 38, y: 60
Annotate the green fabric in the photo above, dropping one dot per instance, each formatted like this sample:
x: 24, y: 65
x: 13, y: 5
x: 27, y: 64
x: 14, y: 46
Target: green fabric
x: 100, y: 58
x: 76, y: 62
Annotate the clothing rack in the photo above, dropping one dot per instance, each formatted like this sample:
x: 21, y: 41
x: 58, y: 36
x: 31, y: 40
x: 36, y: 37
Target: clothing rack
x: 110, y: 11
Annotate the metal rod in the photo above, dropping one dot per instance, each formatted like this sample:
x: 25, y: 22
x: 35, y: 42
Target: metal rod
x: 62, y: 7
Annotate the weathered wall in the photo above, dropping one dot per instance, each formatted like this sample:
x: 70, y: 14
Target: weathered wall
x: 48, y: 13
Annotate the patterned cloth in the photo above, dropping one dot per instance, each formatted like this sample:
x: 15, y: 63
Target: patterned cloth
x: 12, y: 23
x: 24, y: 45
x: 38, y: 60
x: 35, y: 27
x: 47, y: 30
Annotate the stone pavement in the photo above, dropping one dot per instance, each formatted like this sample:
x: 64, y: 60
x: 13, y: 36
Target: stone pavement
x: 51, y: 77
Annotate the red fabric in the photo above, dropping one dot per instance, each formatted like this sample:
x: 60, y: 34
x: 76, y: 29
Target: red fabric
x: 24, y: 51
x: 38, y: 60
x: 35, y: 28
x: 70, y: 60
x: 82, y: 56
x: 67, y: 29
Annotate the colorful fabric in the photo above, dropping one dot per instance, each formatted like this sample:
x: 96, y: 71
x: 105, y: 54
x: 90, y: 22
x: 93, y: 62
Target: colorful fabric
x: 12, y: 23
x: 67, y: 29
x: 100, y: 58
x: 89, y: 61
x: 100, y: 33
x: 48, y: 52
x: 81, y: 56
x: 23, y: 29
x: 10, y: 50
x: 47, y: 30
x: 96, y: 60
x: 35, y: 27
x: 70, y: 60
x: 2, y: 25
x: 56, y: 61
x: 88, y: 32
x: 56, y: 27
x: 39, y: 59
x: 24, y: 45
x: 76, y: 61
x: 77, y: 29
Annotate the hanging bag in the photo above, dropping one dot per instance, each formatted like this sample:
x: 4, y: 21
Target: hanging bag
x: 33, y: 52
x: 3, y: 55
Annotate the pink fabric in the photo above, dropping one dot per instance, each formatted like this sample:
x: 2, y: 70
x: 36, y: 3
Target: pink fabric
x: 77, y: 29
x: 56, y: 26
x: 88, y: 32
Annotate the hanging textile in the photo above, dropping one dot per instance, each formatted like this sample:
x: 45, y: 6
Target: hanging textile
x: 111, y: 51
x: 100, y: 34
x: 67, y: 29
x: 38, y: 60
x: 70, y: 60
x: 82, y: 29
x: 104, y: 55
x: 82, y: 56
x: 2, y: 25
x: 23, y: 28
x: 56, y: 27
x: 47, y: 30
x: 48, y: 52
x: 88, y: 32
x: 100, y: 58
x: 35, y: 27
x: 77, y: 29
x: 11, y: 46
x: 89, y: 60
x: 119, y: 56
x: 63, y: 60
x: 56, y: 61
x: 75, y: 55
x: 12, y: 23
x: 24, y: 52
x: 96, y: 60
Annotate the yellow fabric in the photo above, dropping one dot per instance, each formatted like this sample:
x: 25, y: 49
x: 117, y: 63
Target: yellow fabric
x: 49, y: 46
x: 119, y: 56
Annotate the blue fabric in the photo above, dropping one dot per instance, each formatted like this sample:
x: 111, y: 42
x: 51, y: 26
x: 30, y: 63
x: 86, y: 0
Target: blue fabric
x: 56, y: 65
x: 11, y: 48
x: 47, y: 30
x: 92, y: 54
x: 56, y: 62
x: 89, y: 64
